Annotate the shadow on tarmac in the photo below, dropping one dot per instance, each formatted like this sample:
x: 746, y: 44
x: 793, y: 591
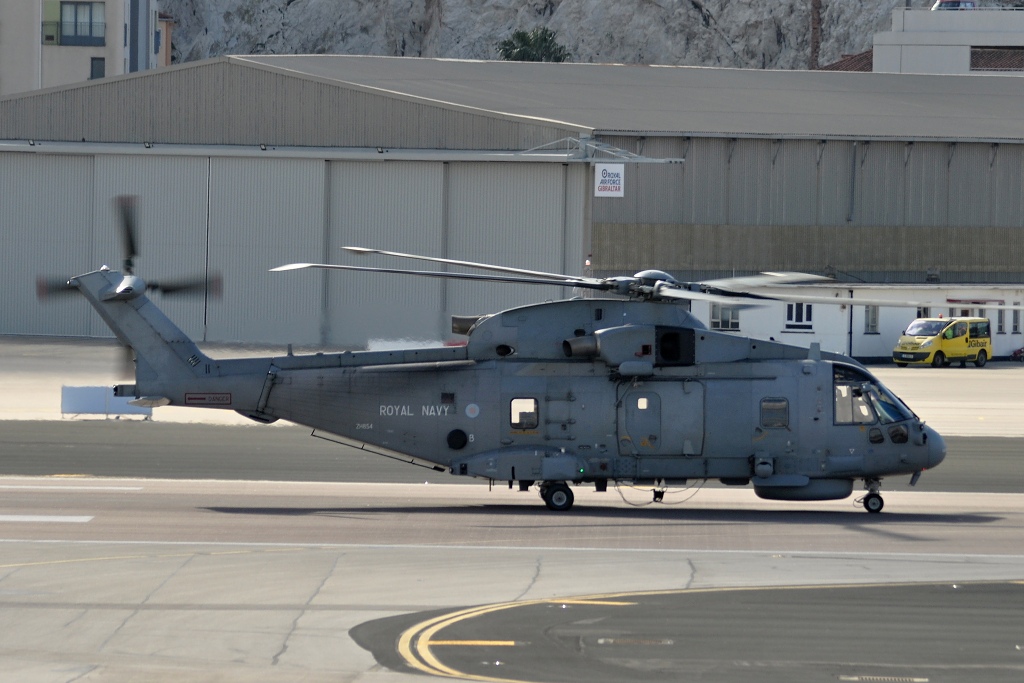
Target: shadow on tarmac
x: 853, y: 517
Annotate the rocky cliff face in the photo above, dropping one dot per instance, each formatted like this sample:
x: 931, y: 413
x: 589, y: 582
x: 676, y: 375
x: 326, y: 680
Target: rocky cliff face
x: 767, y: 34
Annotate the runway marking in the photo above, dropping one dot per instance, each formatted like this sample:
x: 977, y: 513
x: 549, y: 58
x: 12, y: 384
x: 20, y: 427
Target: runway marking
x: 606, y: 603
x: 66, y: 487
x: 109, y: 558
x: 473, y: 643
x: 59, y: 519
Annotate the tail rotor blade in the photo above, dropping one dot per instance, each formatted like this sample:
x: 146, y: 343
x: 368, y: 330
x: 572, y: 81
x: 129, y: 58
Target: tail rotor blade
x: 195, y: 286
x: 53, y: 286
x: 127, y: 210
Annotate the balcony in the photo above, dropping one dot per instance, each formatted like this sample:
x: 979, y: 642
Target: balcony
x: 81, y: 33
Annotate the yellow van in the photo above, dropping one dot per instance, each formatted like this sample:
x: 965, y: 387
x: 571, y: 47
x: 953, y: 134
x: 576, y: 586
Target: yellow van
x: 939, y: 341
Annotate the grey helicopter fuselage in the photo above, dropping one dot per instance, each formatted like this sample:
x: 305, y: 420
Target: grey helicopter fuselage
x: 583, y: 390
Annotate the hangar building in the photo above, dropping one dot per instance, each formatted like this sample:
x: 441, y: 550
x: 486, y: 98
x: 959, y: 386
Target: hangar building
x: 245, y: 163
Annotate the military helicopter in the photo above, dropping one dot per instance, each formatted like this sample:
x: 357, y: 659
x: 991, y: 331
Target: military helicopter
x: 623, y: 387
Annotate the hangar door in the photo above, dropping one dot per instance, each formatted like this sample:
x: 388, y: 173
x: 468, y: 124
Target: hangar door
x: 527, y: 215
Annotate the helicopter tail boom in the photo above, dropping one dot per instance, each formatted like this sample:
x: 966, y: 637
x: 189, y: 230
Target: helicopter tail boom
x: 169, y: 367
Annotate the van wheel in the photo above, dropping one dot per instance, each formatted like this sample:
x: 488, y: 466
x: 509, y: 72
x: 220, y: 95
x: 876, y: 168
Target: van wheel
x: 981, y: 359
x: 938, y: 360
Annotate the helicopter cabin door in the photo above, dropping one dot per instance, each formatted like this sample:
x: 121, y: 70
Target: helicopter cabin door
x: 662, y: 419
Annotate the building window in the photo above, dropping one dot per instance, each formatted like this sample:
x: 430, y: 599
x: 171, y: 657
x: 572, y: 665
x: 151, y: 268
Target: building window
x: 871, y: 320
x: 1000, y: 321
x: 924, y: 312
x: 798, y: 317
x: 98, y: 68
x: 83, y: 23
x: 1016, y: 319
x: 725, y: 317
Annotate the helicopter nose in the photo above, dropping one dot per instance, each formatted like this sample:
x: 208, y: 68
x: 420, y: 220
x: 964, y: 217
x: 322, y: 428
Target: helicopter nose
x: 936, y: 447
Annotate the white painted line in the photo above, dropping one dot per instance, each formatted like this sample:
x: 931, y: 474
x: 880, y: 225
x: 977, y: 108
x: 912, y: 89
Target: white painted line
x: 61, y: 519
x: 68, y: 487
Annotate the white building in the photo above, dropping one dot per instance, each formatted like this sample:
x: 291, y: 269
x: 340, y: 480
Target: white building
x: 48, y: 43
x: 870, y: 332
x: 951, y: 42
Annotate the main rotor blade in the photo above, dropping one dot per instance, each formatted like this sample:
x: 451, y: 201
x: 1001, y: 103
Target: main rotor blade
x: 767, y: 279
x: 472, y: 264
x: 666, y: 291
x: 587, y: 284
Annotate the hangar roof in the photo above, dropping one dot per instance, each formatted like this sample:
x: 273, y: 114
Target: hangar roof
x: 615, y: 98
x: 340, y: 100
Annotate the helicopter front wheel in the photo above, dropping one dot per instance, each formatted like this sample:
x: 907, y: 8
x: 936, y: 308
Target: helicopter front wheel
x: 557, y: 496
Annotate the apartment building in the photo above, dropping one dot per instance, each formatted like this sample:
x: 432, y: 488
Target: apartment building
x: 47, y: 43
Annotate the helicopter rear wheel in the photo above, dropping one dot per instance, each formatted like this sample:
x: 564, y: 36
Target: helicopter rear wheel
x: 557, y: 496
x: 873, y: 503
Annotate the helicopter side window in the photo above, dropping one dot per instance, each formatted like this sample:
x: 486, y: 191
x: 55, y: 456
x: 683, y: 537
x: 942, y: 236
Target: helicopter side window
x: 775, y: 413
x: 524, y: 413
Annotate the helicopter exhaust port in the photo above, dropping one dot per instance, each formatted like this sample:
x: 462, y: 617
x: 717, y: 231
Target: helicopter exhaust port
x: 580, y: 347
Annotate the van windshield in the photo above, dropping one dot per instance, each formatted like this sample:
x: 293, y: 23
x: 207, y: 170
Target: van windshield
x: 926, y: 328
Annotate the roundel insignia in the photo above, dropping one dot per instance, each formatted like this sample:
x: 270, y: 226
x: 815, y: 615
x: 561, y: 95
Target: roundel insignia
x: 472, y: 410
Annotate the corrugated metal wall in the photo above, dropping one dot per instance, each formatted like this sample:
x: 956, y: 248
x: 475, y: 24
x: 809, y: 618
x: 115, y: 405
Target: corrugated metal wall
x: 1007, y: 176
x: 858, y: 207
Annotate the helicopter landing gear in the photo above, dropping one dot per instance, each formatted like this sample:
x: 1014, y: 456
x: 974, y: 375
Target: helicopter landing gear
x: 557, y: 496
x: 873, y: 502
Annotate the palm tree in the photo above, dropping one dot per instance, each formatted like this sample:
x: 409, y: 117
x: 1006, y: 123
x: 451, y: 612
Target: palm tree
x: 539, y: 45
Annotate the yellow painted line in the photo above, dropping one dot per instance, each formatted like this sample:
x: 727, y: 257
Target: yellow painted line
x: 473, y: 643
x: 45, y: 563
x: 605, y: 603
x: 111, y: 558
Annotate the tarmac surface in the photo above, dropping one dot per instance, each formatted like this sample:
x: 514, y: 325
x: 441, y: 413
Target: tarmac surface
x: 171, y: 550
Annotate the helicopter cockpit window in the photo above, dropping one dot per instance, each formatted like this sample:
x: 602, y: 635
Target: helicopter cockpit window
x: 524, y: 413
x: 859, y: 399
x: 851, y: 400
x: 775, y: 413
x: 889, y: 408
x: 852, y: 406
